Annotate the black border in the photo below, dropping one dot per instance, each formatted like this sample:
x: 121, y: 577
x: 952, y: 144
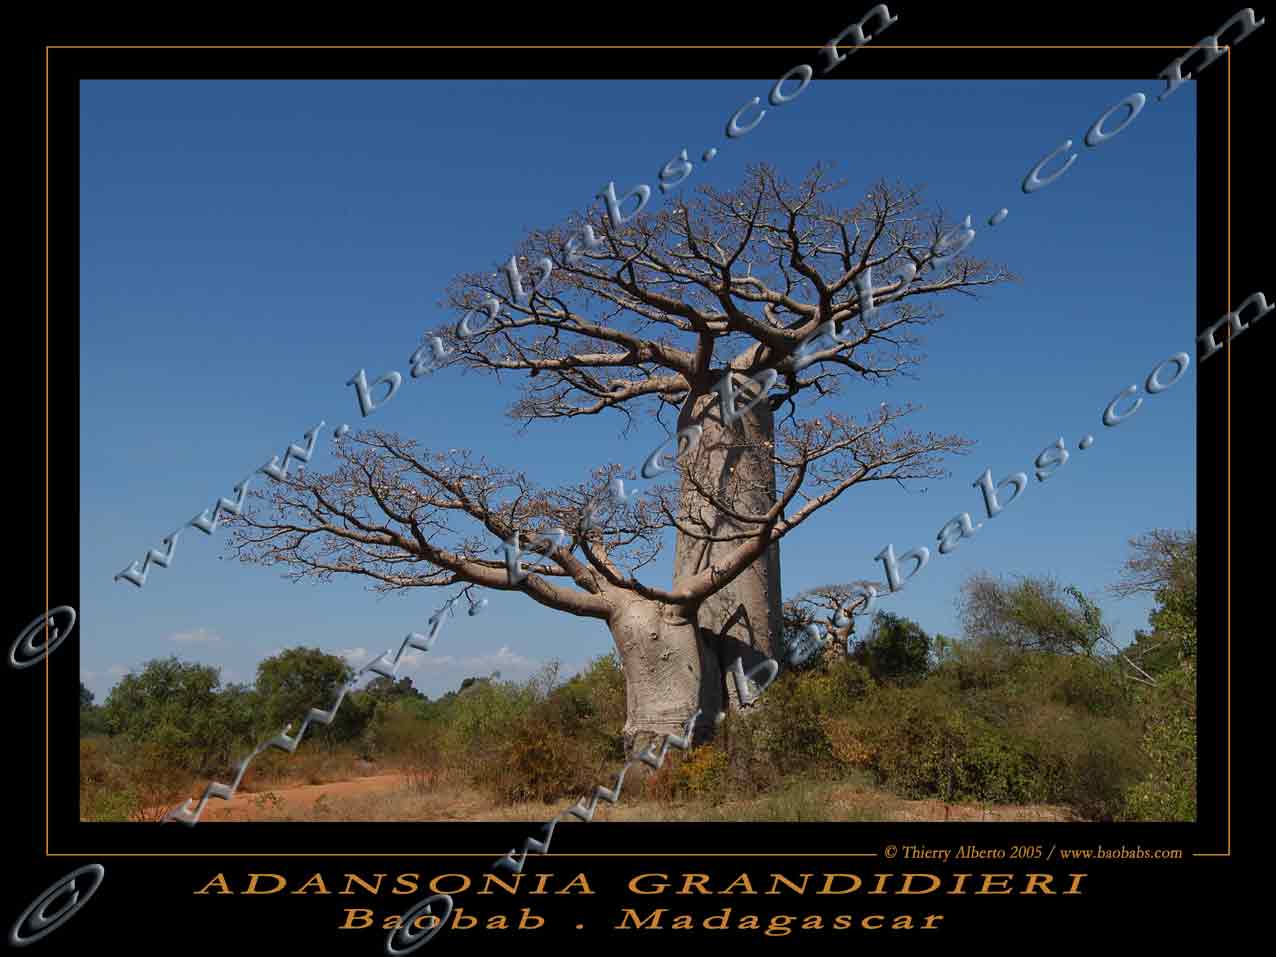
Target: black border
x: 757, y: 69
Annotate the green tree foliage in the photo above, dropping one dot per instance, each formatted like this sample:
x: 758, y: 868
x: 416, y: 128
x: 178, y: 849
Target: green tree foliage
x: 896, y: 650
x: 92, y: 721
x: 995, y: 722
x: 1164, y: 562
x: 1030, y: 614
x: 1168, y: 711
x: 788, y: 733
x: 292, y: 682
x: 176, y: 707
x: 942, y: 649
x: 386, y: 689
x: 1154, y: 654
x: 235, y: 716
x: 1174, y: 618
x: 561, y: 739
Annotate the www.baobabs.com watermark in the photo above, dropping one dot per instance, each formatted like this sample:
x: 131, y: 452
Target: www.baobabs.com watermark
x: 422, y: 918
x: 654, y: 462
x: 382, y: 665
x: 1055, y: 456
x: 944, y: 250
x: 861, y: 599
x: 672, y: 174
x: 950, y: 245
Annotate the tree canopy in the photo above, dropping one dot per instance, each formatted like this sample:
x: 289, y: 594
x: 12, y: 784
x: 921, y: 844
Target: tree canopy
x: 832, y: 610
x: 1163, y: 562
x: 176, y: 705
x: 895, y: 650
x: 722, y: 309
x: 1161, y: 558
x: 1030, y: 614
x: 382, y: 688
x: 292, y: 682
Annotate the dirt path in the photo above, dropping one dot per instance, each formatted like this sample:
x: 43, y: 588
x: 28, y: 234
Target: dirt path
x: 251, y: 807
x: 388, y: 797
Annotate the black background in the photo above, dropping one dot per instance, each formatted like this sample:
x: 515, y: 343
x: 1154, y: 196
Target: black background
x: 151, y: 871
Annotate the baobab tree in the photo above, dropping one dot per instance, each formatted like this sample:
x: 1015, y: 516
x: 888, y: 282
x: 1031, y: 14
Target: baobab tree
x: 641, y: 318
x: 832, y: 609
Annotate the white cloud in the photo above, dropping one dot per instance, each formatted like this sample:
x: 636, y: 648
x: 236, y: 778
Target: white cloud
x: 199, y: 635
x: 503, y: 660
x: 112, y: 671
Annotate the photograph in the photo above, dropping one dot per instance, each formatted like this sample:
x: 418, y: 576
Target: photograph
x: 603, y: 490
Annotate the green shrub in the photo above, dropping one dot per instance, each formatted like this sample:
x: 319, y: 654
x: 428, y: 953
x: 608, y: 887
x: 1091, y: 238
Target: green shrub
x: 109, y: 805
x: 481, y: 716
x: 750, y: 769
x: 896, y: 650
x: 919, y: 745
x: 181, y: 709
x: 1168, y: 790
x: 703, y: 775
x: 789, y: 721
x: 999, y: 725
x: 93, y: 722
x: 397, y: 730
x: 541, y: 741
x: 122, y: 780
x: 105, y: 794
x: 539, y: 761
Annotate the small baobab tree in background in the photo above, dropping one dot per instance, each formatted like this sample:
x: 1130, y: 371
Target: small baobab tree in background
x: 832, y: 610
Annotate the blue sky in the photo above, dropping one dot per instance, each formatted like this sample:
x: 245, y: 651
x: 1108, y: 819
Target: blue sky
x: 246, y: 247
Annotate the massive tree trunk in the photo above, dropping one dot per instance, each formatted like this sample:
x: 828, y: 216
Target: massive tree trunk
x: 677, y: 660
x: 743, y: 620
x: 670, y: 673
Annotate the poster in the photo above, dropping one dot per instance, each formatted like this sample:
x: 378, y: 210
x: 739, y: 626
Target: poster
x: 412, y: 320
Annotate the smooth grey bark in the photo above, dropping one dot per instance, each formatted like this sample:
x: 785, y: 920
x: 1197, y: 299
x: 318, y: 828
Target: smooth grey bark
x: 742, y: 620
x: 670, y: 672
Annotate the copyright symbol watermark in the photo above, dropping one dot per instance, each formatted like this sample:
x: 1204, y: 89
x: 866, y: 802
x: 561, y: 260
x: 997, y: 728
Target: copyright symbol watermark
x: 890, y: 851
x: 411, y: 918
x: 34, y: 916
x: 26, y: 641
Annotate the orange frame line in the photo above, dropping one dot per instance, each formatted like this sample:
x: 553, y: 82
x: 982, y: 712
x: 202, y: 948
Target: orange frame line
x: 533, y: 46
x: 1226, y: 49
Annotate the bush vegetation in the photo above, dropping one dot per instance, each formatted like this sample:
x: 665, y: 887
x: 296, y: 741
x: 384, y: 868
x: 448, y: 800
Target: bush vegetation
x: 1025, y: 710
